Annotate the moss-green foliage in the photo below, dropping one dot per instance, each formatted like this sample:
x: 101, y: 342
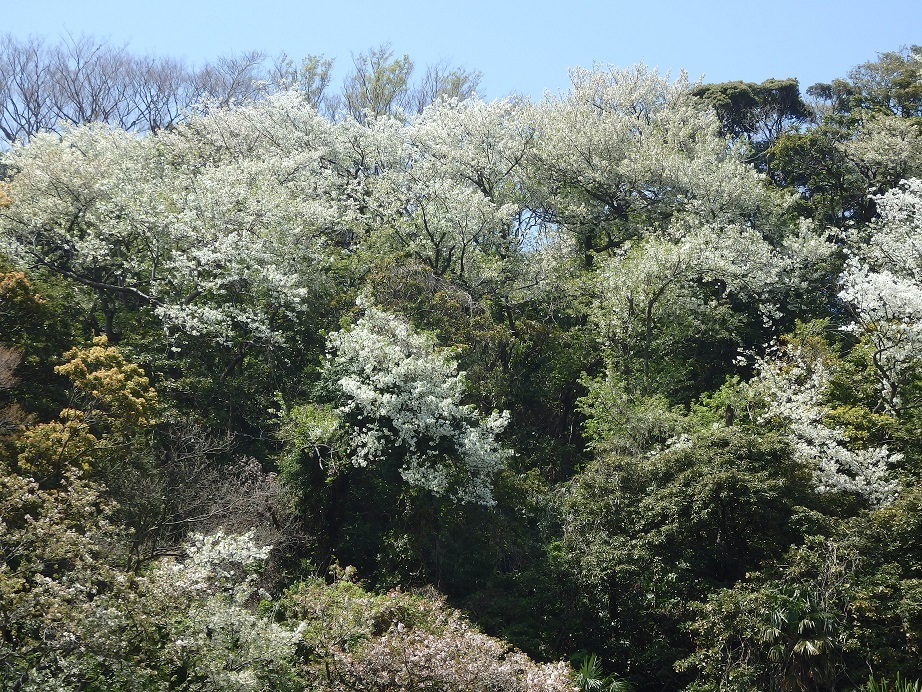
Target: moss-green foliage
x: 817, y: 620
x: 644, y: 536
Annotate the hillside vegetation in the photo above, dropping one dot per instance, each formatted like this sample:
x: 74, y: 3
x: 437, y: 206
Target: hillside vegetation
x: 394, y: 388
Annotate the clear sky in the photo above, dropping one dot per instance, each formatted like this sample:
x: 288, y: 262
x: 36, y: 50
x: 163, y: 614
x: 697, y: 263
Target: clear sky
x: 523, y: 47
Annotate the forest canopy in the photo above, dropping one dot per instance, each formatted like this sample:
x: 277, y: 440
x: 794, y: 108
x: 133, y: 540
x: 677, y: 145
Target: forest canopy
x: 393, y: 387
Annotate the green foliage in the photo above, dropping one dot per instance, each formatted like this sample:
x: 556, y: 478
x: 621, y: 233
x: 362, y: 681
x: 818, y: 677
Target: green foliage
x: 899, y: 684
x: 828, y: 611
x: 116, y: 393
x: 40, y: 321
x: 864, y: 144
x: 20, y: 307
x: 760, y: 113
x: 643, y: 536
x: 889, y: 84
x: 591, y: 678
x: 617, y: 422
x: 105, y: 425
x: 707, y: 465
x: 311, y: 77
x: 377, y: 84
x: 813, y: 163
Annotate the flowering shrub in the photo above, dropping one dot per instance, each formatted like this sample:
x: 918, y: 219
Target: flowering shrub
x: 882, y: 285
x: 794, y: 383
x: 398, y: 641
x: 401, y: 400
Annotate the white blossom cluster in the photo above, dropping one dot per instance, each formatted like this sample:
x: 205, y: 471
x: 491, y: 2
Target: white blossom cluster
x: 882, y: 285
x: 218, y: 559
x: 403, y: 399
x: 75, y: 618
x: 885, y: 146
x: 661, y: 278
x: 449, y: 656
x: 448, y: 189
x: 217, y: 636
x: 896, y: 238
x: 793, y: 384
x: 888, y: 314
x: 636, y: 143
x: 226, y: 224
x: 218, y: 250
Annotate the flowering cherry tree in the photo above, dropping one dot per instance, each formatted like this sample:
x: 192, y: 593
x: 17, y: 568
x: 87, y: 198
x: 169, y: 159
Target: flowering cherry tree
x: 794, y: 383
x: 624, y: 150
x: 221, y: 250
x: 400, y: 401
x: 882, y: 286
x: 672, y: 286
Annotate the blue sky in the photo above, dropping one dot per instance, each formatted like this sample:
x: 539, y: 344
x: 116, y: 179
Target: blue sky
x: 523, y: 47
